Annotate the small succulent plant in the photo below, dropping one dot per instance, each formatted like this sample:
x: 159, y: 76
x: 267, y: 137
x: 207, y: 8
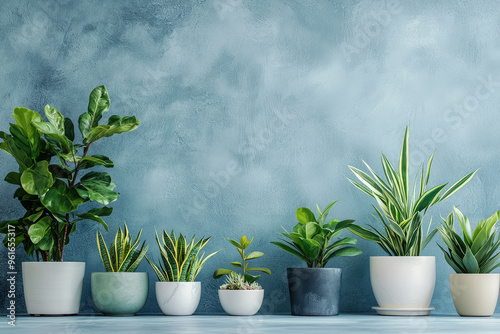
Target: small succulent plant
x: 475, y: 252
x: 235, y: 281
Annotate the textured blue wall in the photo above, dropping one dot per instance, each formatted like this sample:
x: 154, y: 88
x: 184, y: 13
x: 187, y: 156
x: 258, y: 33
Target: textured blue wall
x: 251, y: 109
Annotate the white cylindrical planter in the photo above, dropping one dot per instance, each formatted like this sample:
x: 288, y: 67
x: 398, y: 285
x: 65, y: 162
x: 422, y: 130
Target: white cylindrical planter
x: 178, y: 298
x: 53, y: 288
x: 404, y: 284
x: 475, y: 295
x: 241, y: 302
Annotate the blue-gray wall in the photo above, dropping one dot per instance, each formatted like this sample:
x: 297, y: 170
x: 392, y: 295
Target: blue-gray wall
x: 251, y: 109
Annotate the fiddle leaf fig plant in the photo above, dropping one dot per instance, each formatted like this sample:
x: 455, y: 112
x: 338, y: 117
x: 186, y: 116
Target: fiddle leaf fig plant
x: 311, y: 237
x: 243, y: 281
x: 53, y: 178
x: 475, y: 252
x: 401, y: 208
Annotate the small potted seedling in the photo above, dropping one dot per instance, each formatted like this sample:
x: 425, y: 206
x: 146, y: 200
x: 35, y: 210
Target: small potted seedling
x: 177, y: 292
x: 120, y: 290
x: 474, y: 288
x: 241, y: 294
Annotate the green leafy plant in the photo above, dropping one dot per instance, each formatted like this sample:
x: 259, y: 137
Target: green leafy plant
x: 180, y: 260
x: 125, y: 255
x: 51, y: 191
x: 475, y: 252
x: 234, y: 278
x: 401, y: 209
x: 235, y: 281
x: 310, y: 238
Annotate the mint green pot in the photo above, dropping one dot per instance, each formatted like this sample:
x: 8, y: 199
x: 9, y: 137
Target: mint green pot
x: 119, y: 294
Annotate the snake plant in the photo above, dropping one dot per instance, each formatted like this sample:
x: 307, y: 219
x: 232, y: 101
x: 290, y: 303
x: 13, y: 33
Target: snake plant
x: 475, y: 252
x: 180, y: 260
x: 402, y: 209
x: 310, y: 238
x: 125, y: 255
x: 235, y: 277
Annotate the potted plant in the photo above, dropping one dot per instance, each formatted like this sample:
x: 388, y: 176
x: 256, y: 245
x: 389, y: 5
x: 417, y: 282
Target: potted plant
x: 177, y: 292
x: 51, y: 193
x: 403, y: 283
x: 315, y: 290
x: 241, y: 294
x: 120, y: 290
x: 474, y: 288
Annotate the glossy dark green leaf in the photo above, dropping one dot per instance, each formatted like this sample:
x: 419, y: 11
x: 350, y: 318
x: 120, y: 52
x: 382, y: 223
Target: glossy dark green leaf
x: 37, y: 180
x: 264, y: 270
x: 13, y: 178
x: 98, y: 103
x: 221, y: 272
x: 95, y: 160
x: 85, y: 124
x: 253, y: 255
x: 61, y: 199
x: 69, y: 129
x: 24, y: 118
x: 55, y: 118
x: 98, y: 187
x: 101, y: 212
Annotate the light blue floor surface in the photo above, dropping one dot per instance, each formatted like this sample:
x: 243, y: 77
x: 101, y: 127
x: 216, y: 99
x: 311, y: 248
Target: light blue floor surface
x: 345, y: 323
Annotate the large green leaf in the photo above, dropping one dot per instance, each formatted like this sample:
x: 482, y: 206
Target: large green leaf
x: 57, y: 134
x: 470, y: 262
x: 61, y: 199
x: 264, y: 270
x: 37, y: 231
x: 289, y: 249
x: 13, y: 149
x: 55, y: 118
x: 98, y: 103
x: 116, y: 124
x: 253, y: 255
x: 37, y: 180
x: 24, y: 117
x: 97, y: 186
x: 69, y: 129
x: 101, y: 212
x: 221, y: 272
x: 13, y: 178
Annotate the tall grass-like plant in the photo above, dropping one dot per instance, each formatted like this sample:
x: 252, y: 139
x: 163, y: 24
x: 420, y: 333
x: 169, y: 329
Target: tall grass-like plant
x: 180, y: 260
x: 475, y: 252
x: 401, y: 208
x: 125, y: 255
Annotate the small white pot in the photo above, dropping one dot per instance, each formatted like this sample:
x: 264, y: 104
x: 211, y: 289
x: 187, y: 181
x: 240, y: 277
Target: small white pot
x: 53, y: 288
x: 403, y: 281
x: 241, y: 302
x: 178, y: 298
x: 475, y: 295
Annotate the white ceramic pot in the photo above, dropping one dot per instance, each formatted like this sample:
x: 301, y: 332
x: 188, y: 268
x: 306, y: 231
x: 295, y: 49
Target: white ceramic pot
x: 403, y: 282
x: 178, y: 298
x: 475, y: 295
x: 53, y: 288
x: 241, y: 302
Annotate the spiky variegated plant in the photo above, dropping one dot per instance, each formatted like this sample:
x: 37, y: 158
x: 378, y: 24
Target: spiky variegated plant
x: 401, y: 211
x: 179, y: 259
x: 310, y: 238
x: 125, y: 255
x: 475, y: 253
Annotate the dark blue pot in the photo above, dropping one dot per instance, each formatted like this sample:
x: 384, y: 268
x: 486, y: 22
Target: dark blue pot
x: 314, y: 291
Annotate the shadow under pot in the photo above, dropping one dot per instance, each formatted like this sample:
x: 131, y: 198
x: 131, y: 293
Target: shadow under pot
x: 475, y: 295
x: 53, y: 288
x: 119, y: 293
x: 178, y: 298
x: 314, y: 291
